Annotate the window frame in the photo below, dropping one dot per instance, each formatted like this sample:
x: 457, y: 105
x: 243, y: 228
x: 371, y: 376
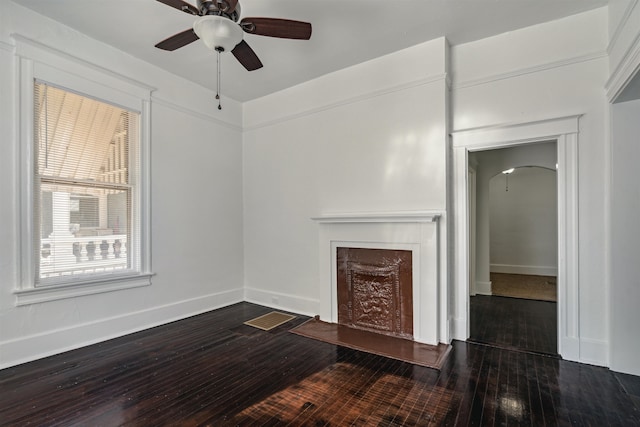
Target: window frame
x: 36, y: 62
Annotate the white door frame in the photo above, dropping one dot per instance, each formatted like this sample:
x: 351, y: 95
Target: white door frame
x: 564, y: 130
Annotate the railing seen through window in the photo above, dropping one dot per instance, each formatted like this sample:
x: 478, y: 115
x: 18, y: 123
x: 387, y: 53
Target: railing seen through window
x: 85, y: 185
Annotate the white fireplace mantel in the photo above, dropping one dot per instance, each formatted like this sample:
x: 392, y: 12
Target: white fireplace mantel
x: 364, y: 217
x: 416, y: 231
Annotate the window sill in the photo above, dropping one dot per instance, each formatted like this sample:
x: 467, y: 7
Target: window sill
x: 72, y: 290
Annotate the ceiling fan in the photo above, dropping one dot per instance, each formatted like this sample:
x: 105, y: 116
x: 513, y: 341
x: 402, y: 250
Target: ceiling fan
x: 219, y: 29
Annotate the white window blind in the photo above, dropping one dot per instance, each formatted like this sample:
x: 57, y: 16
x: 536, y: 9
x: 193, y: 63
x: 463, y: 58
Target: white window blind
x: 85, y: 176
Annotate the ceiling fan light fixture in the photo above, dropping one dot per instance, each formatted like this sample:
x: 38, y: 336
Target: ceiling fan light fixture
x: 218, y: 32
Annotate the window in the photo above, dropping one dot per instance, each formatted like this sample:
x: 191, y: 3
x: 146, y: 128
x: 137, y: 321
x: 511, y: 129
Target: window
x: 83, y: 166
x: 83, y: 198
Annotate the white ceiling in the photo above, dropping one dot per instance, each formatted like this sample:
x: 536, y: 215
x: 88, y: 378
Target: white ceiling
x: 345, y: 33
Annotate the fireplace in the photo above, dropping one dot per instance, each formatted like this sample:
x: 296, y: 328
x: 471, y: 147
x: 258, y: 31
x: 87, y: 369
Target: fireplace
x: 375, y: 290
x: 411, y: 312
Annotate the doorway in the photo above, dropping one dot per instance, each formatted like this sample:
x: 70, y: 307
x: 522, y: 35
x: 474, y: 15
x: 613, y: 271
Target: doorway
x: 565, y: 132
x: 514, y: 239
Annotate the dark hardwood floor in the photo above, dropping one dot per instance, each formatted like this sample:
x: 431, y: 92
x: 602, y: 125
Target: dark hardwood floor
x: 213, y: 370
x: 514, y: 323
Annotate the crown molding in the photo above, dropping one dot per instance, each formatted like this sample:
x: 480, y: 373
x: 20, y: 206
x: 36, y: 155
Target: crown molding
x: 351, y: 100
x: 194, y: 113
x: 625, y: 17
x: 7, y: 47
x: 624, y: 71
x: 530, y: 70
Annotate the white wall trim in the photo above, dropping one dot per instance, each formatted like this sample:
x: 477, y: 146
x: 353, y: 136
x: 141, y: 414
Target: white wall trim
x: 7, y: 47
x: 194, y: 113
x: 476, y: 139
x: 484, y: 288
x: 594, y: 352
x: 624, y: 71
x: 568, y: 244
x: 24, y: 349
x: 448, y: 79
x: 26, y: 47
x: 629, y: 65
x: 530, y: 70
x: 144, y: 212
x: 534, y: 270
x: 572, y: 345
x: 351, y: 100
x: 71, y: 290
x: 565, y: 131
x: 625, y: 18
x: 280, y: 301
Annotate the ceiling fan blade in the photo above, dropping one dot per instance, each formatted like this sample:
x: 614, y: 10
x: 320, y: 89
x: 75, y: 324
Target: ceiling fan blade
x: 181, y: 5
x: 274, y: 27
x: 246, y: 56
x: 176, y: 41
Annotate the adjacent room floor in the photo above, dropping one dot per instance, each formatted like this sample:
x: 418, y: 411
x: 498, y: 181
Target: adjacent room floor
x: 514, y: 323
x: 213, y: 370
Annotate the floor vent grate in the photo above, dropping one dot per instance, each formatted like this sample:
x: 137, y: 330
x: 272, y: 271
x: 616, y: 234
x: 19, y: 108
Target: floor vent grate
x: 269, y: 321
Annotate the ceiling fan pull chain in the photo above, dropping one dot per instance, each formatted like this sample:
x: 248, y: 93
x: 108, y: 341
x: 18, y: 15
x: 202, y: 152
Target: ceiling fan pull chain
x: 218, y: 81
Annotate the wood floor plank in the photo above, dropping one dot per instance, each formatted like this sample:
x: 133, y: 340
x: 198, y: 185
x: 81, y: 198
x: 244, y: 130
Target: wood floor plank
x: 210, y: 370
x: 514, y: 323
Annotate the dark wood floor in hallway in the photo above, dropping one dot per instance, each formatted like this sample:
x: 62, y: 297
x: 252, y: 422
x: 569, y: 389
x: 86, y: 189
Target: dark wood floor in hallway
x: 514, y: 323
x: 213, y: 370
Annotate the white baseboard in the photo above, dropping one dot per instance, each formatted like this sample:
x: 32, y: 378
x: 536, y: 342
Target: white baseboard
x: 569, y: 348
x: 483, y: 288
x: 533, y: 270
x: 458, y: 326
x: 594, y: 352
x: 26, y: 349
x: 584, y: 350
x: 293, y: 304
x: 451, y: 325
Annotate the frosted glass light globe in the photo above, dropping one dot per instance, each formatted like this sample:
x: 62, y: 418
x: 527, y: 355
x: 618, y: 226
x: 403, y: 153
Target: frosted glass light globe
x: 218, y: 31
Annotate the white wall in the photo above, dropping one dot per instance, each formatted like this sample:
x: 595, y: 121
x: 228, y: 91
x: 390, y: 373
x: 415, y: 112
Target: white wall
x: 196, y: 169
x: 624, y: 64
x: 625, y: 235
x: 524, y: 222
x: 370, y: 138
x: 551, y: 70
